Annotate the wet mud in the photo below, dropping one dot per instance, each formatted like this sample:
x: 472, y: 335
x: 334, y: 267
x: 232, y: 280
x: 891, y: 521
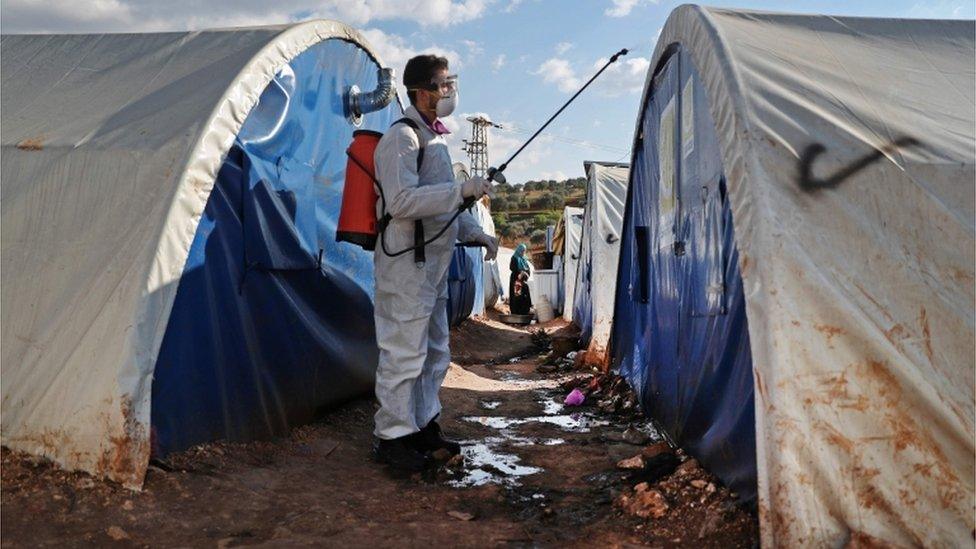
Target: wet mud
x: 535, y: 473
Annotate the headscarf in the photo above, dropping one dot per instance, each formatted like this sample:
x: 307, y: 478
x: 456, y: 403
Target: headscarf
x: 520, y: 261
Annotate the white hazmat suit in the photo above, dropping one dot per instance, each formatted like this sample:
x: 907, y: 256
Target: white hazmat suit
x: 411, y: 298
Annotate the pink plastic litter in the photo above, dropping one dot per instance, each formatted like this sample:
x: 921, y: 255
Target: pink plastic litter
x: 574, y: 398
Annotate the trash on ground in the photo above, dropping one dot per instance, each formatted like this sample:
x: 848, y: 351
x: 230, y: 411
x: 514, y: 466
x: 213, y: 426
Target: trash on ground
x: 461, y: 515
x: 575, y: 398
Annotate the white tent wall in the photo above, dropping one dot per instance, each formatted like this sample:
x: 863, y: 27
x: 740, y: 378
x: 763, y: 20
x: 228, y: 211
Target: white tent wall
x: 859, y: 287
x: 492, y: 279
x: 571, y: 251
x: 606, y: 195
x: 110, y: 147
x: 492, y: 284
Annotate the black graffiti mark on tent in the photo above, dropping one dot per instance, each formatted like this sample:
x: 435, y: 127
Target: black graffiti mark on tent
x: 810, y: 183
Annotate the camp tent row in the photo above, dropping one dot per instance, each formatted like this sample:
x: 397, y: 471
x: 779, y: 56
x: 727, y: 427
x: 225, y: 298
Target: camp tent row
x: 796, y: 281
x: 170, y: 269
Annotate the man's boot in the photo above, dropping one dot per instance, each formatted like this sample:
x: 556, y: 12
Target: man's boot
x: 401, y: 454
x: 431, y: 439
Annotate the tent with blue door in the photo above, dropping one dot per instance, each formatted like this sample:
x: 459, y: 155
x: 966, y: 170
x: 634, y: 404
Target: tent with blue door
x: 795, y: 293
x: 596, y: 272
x: 170, y: 270
x: 473, y: 283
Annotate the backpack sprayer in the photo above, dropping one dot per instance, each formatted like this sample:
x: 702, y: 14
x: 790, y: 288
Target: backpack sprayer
x: 357, y: 218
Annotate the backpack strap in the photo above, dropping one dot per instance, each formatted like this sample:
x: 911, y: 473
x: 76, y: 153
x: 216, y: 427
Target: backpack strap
x: 419, y: 253
x: 413, y: 124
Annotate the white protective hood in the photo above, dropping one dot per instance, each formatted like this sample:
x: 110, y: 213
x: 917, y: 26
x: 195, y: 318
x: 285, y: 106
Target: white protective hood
x: 859, y: 276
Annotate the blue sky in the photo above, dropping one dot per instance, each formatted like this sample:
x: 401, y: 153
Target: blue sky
x: 519, y: 60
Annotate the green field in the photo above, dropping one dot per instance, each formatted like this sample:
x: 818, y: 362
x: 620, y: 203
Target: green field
x: 522, y: 212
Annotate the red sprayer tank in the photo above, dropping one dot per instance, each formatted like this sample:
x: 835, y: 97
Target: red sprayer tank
x: 357, y: 219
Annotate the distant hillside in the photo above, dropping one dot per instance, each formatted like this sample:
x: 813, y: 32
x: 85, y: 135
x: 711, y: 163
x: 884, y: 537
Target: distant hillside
x: 522, y: 212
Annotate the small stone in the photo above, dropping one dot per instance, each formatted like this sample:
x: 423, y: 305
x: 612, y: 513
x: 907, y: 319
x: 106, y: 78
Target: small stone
x: 656, y: 449
x: 632, y: 463
x: 86, y: 483
x: 711, y: 488
x: 648, y: 504
x: 128, y: 505
x: 688, y: 467
x: 642, y: 487
x: 461, y: 515
x: 455, y: 461
x: 117, y: 533
x: 698, y: 483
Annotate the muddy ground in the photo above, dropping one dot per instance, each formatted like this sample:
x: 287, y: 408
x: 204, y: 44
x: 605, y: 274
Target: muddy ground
x: 536, y: 473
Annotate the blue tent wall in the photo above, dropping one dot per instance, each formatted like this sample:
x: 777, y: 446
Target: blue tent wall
x: 680, y: 333
x: 273, y: 319
x: 465, y: 283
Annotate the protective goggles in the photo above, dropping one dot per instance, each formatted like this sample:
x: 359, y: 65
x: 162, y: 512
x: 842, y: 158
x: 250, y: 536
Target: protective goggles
x: 446, y: 85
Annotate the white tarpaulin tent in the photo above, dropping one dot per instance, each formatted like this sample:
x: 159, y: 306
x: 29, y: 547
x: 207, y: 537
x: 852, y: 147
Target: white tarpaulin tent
x: 493, y: 286
x: 596, y: 275
x: 848, y: 149
x: 568, y: 247
x: 111, y: 146
x: 491, y: 281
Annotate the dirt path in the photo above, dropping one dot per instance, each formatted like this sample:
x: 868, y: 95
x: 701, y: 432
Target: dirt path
x: 535, y: 474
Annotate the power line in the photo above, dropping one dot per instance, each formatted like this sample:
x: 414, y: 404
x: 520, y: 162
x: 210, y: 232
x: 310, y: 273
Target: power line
x: 570, y: 141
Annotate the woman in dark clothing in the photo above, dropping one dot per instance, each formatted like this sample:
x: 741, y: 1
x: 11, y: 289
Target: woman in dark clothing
x: 520, y: 299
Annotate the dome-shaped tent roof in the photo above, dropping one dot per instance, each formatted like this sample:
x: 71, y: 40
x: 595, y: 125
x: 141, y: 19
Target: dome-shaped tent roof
x: 111, y: 145
x: 848, y: 148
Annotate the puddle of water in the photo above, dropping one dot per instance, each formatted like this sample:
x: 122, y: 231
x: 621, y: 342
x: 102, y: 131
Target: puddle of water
x: 485, y: 464
x: 578, y: 422
x: 550, y: 406
x: 490, y: 404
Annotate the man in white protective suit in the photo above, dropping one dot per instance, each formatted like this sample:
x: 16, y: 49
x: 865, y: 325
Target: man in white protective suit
x: 414, y: 169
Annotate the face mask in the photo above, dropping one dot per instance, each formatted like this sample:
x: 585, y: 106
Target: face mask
x: 447, y: 104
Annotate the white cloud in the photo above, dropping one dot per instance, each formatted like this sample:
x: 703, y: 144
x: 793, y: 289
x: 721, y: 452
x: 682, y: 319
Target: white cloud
x: 512, y: 4
x: 394, y: 51
x: 622, y: 8
x: 498, y: 63
x: 941, y: 9
x: 626, y: 76
x: 474, y: 49
x: 563, y: 47
x: 559, y: 72
x: 21, y: 16
x: 555, y: 176
x: 623, y: 77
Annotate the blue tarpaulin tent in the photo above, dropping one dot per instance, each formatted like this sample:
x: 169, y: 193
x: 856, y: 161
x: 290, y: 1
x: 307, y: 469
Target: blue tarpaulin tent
x: 273, y: 318
x: 187, y: 285
x: 679, y: 326
x: 469, y: 272
x: 794, y: 301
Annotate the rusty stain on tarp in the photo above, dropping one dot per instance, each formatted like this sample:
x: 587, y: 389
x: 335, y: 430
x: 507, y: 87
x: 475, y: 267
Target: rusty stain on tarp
x: 31, y: 144
x: 872, y: 389
x: 123, y: 460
